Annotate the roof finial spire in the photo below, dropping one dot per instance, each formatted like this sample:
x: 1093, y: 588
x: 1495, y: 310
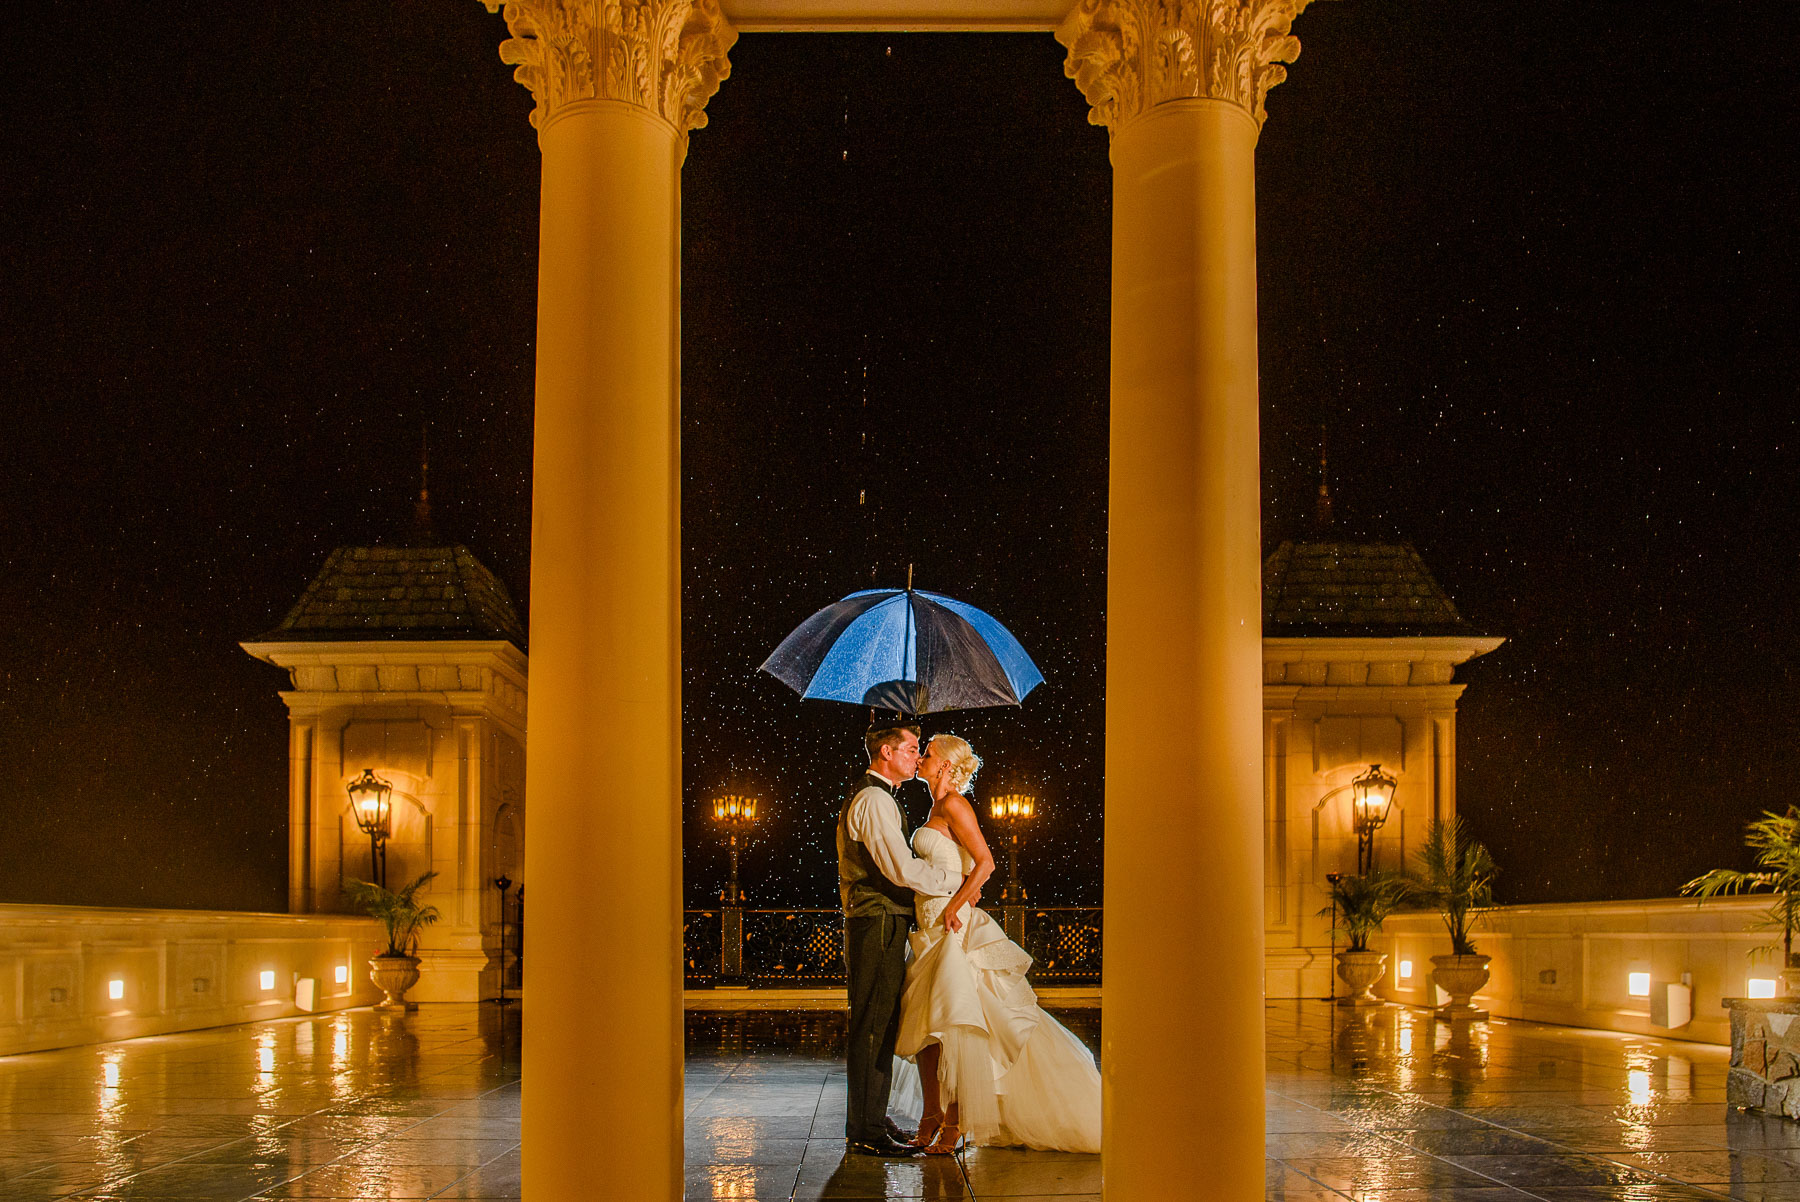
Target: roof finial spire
x: 422, y: 530
x: 1323, y: 513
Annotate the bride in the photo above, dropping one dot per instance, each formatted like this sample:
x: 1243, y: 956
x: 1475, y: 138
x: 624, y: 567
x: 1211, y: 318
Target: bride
x: 993, y: 1066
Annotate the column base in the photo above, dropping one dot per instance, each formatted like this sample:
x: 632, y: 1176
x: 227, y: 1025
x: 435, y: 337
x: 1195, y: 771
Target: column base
x: 455, y: 975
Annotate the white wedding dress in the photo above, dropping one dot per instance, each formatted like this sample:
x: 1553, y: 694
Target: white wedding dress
x: 1019, y: 1077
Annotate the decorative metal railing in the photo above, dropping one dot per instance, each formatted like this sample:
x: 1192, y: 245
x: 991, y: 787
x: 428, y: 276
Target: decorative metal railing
x: 1064, y: 942
x: 801, y: 947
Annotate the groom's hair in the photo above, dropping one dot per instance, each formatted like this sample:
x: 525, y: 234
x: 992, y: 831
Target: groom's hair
x: 889, y: 736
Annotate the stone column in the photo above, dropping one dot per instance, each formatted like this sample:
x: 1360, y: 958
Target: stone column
x: 300, y: 818
x: 618, y: 87
x: 1181, y: 88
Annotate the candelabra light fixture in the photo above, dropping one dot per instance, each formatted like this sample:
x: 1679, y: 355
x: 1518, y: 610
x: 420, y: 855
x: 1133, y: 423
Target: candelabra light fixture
x: 1014, y: 812
x: 736, y: 814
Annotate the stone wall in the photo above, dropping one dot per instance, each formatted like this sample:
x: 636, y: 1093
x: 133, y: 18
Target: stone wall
x: 78, y: 974
x: 1575, y: 964
x: 1765, y: 1056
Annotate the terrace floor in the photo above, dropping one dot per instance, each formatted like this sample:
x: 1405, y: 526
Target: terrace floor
x: 1385, y: 1105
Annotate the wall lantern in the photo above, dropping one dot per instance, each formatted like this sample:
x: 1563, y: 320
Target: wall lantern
x: 1406, y: 970
x: 1760, y: 987
x: 1371, y: 796
x: 115, y: 988
x: 268, y: 979
x: 1637, y: 984
x: 369, y: 802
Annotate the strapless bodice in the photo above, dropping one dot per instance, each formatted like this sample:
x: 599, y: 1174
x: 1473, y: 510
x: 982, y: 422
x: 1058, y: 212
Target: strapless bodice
x: 929, y: 843
x: 943, y: 852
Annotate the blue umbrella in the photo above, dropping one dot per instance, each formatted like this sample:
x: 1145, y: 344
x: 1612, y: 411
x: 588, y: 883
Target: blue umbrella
x: 906, y: 650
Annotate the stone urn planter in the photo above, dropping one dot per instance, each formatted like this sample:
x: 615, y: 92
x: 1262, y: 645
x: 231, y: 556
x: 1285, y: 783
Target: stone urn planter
x: 1359, y: 971
x: 394, y: 975
x: 1460, y: 977
x: 1790, y: 982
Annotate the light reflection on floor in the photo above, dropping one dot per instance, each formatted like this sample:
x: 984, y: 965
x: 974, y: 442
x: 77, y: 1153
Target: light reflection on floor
x: 1378, y: 1105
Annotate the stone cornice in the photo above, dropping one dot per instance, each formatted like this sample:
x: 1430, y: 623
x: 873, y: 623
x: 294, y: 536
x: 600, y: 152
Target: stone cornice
x: 1416, y: 649
x: 664, y: 56
x: 1422, y: 661
x: 1128, y: 56
x: 474, y: 676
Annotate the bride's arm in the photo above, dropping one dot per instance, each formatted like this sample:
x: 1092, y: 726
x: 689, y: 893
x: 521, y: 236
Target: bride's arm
x: 968, y: 833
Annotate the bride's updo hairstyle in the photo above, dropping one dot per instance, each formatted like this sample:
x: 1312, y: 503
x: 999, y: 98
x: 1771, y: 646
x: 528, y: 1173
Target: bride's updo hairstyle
x: 963, y: 761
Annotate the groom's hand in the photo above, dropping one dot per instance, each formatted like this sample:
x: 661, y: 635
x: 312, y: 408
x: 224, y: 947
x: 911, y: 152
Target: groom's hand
x: 952, y: 923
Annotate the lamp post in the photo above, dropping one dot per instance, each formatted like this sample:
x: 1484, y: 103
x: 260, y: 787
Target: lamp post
x: 1332, y: 878
x: 503, y: 883
x: 1013, y: 811
x: 1372, y: 796
x: 374, y: 816
x: 737, y: 814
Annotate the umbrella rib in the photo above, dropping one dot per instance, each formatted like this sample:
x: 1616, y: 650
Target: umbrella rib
x: 909, y: 644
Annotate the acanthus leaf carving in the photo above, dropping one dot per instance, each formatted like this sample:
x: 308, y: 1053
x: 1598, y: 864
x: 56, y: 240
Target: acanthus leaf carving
x: 1127, y: 56
x: 666, y: 56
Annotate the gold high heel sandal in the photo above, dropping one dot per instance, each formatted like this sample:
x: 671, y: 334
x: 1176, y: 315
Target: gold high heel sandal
x: 948, y: 1141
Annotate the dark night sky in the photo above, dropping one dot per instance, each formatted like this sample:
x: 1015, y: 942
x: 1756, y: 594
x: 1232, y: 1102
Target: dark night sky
x: 1534, y: 265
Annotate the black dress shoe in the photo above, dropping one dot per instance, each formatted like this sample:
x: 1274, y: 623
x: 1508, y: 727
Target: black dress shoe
x: 898, y: 1134
x: 881, y: 1145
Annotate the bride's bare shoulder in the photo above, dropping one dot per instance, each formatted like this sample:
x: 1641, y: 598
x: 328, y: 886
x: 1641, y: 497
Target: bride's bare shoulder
x: 958, y: 804
x: 959, y: 812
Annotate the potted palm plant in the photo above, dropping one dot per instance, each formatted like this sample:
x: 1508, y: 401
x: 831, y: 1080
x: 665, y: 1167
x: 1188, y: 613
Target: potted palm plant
x: 1775, y: 838
x: 1359, y: 905
x: 395, y: 970
x: 1455, y: 875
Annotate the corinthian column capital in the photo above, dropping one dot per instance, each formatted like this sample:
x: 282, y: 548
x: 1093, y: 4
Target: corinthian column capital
x: 1127, y: 56
x: 665, y: 56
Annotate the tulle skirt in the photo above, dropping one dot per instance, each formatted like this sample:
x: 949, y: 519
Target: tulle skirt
x: 1019, y: 1077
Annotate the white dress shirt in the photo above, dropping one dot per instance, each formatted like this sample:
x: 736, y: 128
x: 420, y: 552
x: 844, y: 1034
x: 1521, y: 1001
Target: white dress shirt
x: 873, y: 820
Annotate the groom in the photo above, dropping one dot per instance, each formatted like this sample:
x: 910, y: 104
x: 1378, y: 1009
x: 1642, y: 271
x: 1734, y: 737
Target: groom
x: 877, y: 876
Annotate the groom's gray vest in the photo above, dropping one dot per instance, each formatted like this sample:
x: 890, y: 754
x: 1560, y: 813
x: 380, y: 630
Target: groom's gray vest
x: 864, y: 891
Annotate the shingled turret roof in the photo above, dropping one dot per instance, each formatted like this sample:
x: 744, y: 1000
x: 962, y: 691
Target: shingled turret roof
x: 1331, y: 589
x: 401, y: 593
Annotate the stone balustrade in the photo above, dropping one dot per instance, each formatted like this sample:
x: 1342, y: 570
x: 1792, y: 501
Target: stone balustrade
x: 1600, y: 964
x: 78, y: 974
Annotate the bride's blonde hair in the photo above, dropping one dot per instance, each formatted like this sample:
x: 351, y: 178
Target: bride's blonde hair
x: 963, y: 761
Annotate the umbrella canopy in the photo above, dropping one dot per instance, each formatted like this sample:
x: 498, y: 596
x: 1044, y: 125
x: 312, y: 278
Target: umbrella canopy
x: 906, y: 650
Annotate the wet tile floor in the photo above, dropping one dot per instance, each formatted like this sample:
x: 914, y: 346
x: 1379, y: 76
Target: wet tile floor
x: 1385, y: 1105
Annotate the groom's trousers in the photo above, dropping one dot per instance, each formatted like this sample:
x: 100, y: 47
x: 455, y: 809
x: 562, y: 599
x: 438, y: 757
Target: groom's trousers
x: 875, y: 947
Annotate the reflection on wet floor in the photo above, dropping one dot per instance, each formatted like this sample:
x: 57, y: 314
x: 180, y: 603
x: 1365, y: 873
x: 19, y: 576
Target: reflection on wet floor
x: 1387, y: 1104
